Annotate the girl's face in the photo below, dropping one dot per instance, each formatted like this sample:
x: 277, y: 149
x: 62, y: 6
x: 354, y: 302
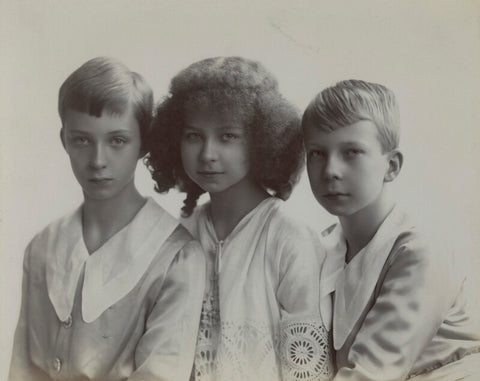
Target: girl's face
x: 214, y: 151
x: 103, y: 152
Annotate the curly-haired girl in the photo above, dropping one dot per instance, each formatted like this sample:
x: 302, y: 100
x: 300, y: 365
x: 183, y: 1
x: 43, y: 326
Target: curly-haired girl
x: 225, y: 129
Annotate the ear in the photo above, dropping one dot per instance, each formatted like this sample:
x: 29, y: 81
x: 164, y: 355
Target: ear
x: 395, y: 162
x: 62, y: 137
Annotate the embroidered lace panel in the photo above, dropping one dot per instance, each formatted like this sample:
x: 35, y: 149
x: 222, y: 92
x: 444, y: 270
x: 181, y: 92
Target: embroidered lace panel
x: 249, y: 350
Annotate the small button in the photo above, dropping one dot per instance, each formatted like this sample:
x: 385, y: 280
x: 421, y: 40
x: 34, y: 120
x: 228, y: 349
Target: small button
x: 57, y: 365
x: 68, y: 323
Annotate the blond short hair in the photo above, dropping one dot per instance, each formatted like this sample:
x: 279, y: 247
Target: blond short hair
x: 350, y: 101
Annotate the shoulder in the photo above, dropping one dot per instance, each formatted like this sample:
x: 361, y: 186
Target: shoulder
x: 48, y: 237
x: 190, y: 223
x: 287, y: 225
x: 53, y: 228
x: 415, y: 242
x: 181, y: 240
x: 419, y: 252
x: 292, y: 236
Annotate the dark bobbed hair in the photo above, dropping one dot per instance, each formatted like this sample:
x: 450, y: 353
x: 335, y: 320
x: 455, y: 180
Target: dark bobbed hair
x: 104, y: 84
x: 351, y: 101
x: 245, y: 91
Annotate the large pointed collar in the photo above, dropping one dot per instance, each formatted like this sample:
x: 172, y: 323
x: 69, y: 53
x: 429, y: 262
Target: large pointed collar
x: 113, y: 270
x: 356, y: 281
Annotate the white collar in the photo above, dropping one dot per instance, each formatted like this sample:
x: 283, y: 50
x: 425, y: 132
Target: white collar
x: 113, y: 270
x: 356, y: 281
x: 259, y: 211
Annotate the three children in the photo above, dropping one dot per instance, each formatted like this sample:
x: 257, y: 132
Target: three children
x: 119, y: 290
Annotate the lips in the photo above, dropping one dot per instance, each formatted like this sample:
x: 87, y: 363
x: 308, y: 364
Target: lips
x: 100, y: 180
x: 335, y: 195
x: 209, y: 173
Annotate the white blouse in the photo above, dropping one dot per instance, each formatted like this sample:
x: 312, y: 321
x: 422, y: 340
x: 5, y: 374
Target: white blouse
x: 130, y: 310
x: 261, y: 316
x: 399, y: 308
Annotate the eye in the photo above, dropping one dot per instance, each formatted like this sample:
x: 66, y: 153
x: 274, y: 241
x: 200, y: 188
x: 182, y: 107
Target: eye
x: 315, y: 154
x: 118, y: 141
x: 228, y: 136
x: 191, y: 136
x: 352, y: 152
x: 80, y: 140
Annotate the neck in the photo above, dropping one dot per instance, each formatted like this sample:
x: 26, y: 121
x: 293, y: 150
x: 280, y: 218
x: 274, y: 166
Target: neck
x: 229, y: 207
x: 359, y: 228
x: 101, y: 219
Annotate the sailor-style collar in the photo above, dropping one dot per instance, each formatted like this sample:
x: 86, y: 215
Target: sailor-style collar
x: 355, y: 282
x: 113, y: 270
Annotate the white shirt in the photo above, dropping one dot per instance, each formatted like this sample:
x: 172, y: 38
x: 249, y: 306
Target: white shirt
x: 399, y: 308
x: 130, y: 310
x: 261, y: 317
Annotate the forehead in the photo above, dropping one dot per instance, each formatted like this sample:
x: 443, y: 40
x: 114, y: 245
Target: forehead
x: 84, y: 122
x: 362, y: 132
x: 207, y: 117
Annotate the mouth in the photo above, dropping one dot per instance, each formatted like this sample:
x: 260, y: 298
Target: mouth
x: 209, y: 173
x: 335, y: 195
x: 100, y: 180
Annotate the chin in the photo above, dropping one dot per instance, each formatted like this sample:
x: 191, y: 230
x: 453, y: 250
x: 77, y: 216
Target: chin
x: 339, y: 211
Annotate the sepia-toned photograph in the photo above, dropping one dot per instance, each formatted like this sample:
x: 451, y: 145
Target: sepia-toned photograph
x: 240, y: 191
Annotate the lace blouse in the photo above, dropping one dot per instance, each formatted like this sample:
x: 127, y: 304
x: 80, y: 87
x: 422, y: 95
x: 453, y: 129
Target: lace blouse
x: 261, y: 316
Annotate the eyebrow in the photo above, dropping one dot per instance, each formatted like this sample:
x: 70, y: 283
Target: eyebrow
x: 120, y: 131
x: 225, y: 127
x: 320, y: 145
x: 352, y: 143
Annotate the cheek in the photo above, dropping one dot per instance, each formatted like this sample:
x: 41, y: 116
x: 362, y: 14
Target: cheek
x: 313, y: 171
x: 244, y: 162
x: 187, y: 155
x: 77, y: 158
x: 369, y: 177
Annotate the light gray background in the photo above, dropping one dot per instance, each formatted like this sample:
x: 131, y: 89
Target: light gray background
x: 426, y: 51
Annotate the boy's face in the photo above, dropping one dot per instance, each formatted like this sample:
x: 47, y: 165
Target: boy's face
x: 103, y: 152
x: 346, y: 167
x: 214, y: 151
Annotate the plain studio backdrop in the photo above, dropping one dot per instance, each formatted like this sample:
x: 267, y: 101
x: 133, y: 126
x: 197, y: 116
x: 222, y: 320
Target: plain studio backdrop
x: 426, y: 51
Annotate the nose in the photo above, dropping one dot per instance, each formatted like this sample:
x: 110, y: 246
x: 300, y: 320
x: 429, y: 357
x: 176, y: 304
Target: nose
x: 98, y: 158
x: 333, y: 168
x: 209, y: 151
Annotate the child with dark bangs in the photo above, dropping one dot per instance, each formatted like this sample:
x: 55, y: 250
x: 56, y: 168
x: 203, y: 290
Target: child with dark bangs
x: 113, y: 290
x: 226, y: 130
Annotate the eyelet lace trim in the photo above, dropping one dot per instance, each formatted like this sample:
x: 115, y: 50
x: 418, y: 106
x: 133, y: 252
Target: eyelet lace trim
x: 304, y: 351
x: 249, y: 350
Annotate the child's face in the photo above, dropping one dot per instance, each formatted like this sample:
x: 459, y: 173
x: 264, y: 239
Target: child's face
x: 346, y: 167
x: 214, y: 151
x: 103, y: 152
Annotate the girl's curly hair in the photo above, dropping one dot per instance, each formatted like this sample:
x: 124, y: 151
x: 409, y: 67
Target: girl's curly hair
x: 247, y: 92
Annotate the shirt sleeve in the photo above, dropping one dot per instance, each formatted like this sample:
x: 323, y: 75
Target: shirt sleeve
x: 413, y: 300
x: 21, y: 366
x: 166, y: 350
x: 304, y: 346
